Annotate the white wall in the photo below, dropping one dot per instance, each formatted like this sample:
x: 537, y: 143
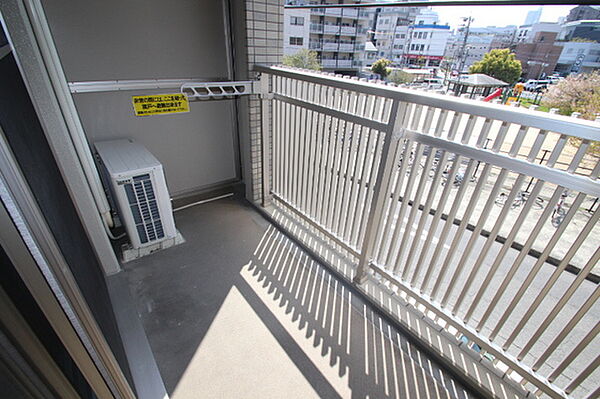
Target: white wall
x: 290, y: 30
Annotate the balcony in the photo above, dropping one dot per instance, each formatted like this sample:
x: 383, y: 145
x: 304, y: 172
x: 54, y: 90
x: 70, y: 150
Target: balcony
x: 316, y: 28
x: 334, y: 12
x: 330, y: 46
x: 473, y: 215
x: 348, y: 30
x: 398, y: 243
x: 328, y: 63
x: 347, y: 47
x: 315, y: 45
x: 344, y: 64
x: 331, y: 29
x: 350, y: 13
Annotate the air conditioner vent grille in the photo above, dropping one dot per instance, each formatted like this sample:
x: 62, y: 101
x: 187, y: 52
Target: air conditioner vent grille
x: 144, y: 208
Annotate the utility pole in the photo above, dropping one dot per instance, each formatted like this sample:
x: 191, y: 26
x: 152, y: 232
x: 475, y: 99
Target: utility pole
x: 463, y: 52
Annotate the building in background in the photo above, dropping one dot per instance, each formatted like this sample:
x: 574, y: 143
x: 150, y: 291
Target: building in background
x: 577, y: 57
x: 533, y: 17
x: 583, y: 30
x: 371, y: 54
x: 539, y: 56
x: 409, y: 39
x: 584, y: 12
x: 296, y: 30
x: 478, y: 42
x: 337, y: 35
x: 527, y: 33
x: 390, y: 34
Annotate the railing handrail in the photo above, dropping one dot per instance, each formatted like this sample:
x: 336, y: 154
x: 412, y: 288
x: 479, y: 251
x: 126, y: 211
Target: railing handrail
x: 579, y: 128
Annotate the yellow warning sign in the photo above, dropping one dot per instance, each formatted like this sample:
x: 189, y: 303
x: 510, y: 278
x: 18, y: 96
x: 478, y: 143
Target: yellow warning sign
x: 158, y: 104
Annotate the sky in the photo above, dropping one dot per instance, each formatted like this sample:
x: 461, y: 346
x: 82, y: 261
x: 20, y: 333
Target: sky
x: 498, y: 15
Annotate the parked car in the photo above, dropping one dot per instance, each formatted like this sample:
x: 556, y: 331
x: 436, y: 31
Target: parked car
x: 537, y: 85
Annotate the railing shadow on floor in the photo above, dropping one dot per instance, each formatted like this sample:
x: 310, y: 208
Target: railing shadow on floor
x: 366, y: 356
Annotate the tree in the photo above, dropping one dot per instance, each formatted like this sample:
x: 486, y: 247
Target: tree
x: 380, y: 67
x: 578, y: 93
x: 400, y: 77
x: 304, y: 59
x: 500, y: 64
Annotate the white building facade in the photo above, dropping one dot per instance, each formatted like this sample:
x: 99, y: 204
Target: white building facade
x: 337, y: 36
x: 408, y: 40
x: 578, y: 57
x: 296, y: 30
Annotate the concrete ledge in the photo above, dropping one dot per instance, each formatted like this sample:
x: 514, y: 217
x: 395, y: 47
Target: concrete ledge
x: 147, y: 380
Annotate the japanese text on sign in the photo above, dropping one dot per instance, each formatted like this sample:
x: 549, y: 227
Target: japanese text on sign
x: 160, y: 104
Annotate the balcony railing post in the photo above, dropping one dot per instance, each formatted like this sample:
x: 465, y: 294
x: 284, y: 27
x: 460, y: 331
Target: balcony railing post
x: 393, y: 134
x: 266, y: 96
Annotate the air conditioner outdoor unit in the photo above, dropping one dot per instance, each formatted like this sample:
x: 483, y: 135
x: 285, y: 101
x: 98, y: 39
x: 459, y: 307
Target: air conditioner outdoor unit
x: 139, y: 192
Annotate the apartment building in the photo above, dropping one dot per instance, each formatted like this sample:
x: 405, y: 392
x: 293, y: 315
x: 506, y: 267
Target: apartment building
x: 538, y: 57
x: 578, y: 57
x: 527, y: 33
x: 414, y: 40
x: 338, y: 36
x: 588, y: 30
x: 584, y: 12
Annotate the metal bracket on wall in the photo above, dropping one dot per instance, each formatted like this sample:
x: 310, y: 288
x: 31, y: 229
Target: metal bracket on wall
x: 217, y: 90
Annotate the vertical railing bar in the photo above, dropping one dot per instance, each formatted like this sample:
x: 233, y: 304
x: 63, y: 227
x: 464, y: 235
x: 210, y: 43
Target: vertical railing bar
x: 279, y: 141
x: 301, y: 115
x: 537, y: 145
x: 466, y: 217
x: 403, y: 153
x: 310, y: 149
x: 450, y: 181
x: 428, y: 205
x: 489, y: 241
x: 595, y: 394
x: 371, y: 145
x: 354, y: 181
x: 288, y: 143
x: 294, y: 145
x: 446, y: 192
x: 482, y: 218
x: 559, y: 269
x: 523, y: 252
x: 350, y: 177
x: 337, y: 97
x: 418, y: 194
x: 316, y: 152
x: 291, y: 143
x: 373, y: 167
x: 337, y: 153
x: 347, y: 147
x: 532, y: 236
x: 359, y: 167
x: 562, y: 302
x: 308, y: 139
x: 416, y: 117
x: 585, y: 373
x: 363, y: 184
x: 274, y: 138
x: 384, y: 171
x: 380, y: 236
x: 428, y: 202
x: 327, y: 129
x: 570, y: 325
x: 538, y: 265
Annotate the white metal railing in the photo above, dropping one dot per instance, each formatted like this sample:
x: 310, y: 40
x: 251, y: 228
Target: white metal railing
x: 344, y: 63
x: 331, y: 29
x: 476, y: 213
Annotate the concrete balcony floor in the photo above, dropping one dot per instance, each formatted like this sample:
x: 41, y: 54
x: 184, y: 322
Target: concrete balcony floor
x: 239, y: 310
